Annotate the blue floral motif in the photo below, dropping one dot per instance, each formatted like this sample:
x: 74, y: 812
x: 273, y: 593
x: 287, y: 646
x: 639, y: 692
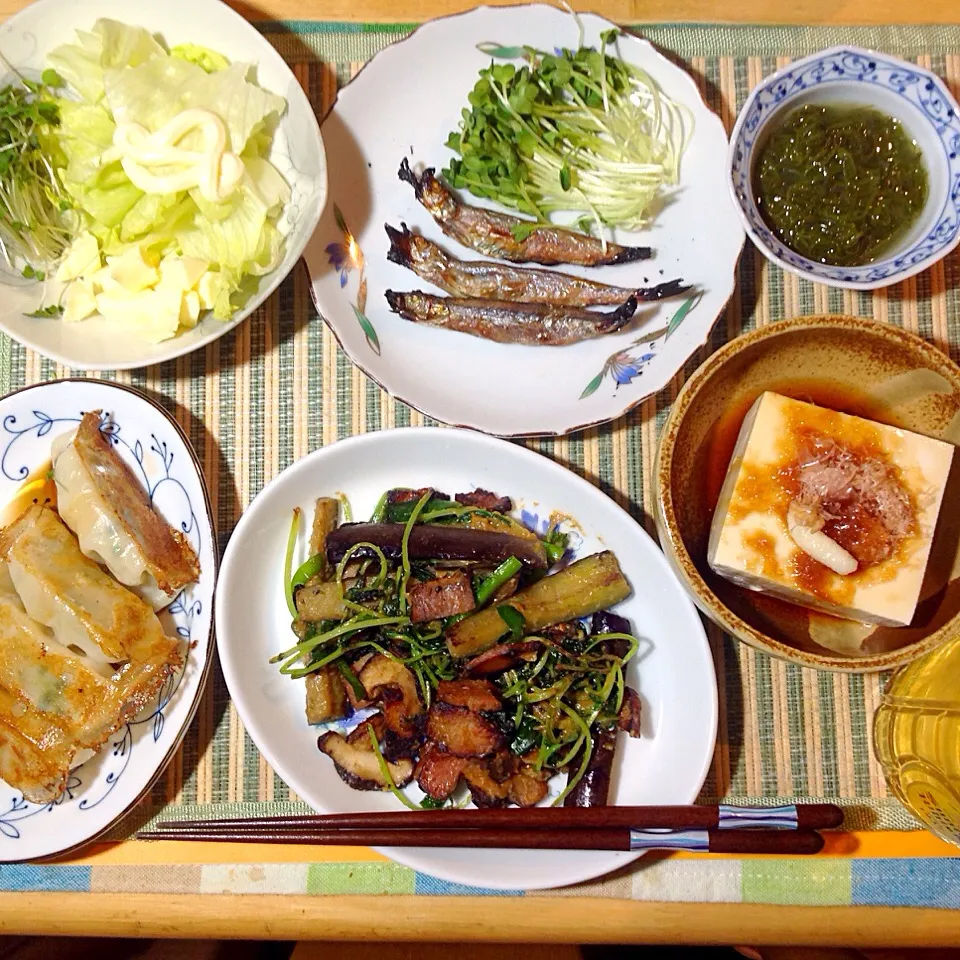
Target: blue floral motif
x: 339, y: 260
x: 97, y: 779
x: 117, y: 761
x: 345, y: 257
x: 533, y: 522
x: 41, y: 425
x: 544, y: 526
x: 625, y: 365
x: 924, y: 96
x: 21, y: 809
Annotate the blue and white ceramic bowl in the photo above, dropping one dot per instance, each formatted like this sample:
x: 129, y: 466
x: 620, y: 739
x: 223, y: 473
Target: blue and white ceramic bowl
x: 152, y: 444
x: 857, y: 77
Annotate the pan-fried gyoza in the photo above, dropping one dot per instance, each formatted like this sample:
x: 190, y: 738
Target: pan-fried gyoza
x: 80, y: 653
x: 464, y: 638
x: 56, y: 702
x: 101, y: 501
x: 66, y: 591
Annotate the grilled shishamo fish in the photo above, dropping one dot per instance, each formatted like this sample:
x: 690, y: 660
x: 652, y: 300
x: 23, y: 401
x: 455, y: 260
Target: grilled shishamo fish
x: 491, y: 233
x: 497, y: 281
x: 505, y: 322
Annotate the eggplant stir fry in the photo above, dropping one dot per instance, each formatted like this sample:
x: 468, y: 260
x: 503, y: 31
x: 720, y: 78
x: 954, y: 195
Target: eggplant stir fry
x: 491, y: 662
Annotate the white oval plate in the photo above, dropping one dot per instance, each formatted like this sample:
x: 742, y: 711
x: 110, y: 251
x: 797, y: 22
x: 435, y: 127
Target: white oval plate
x: 402, y: 105
x: 104, y: 788
x: 297, y: 152
x: 674, y: 676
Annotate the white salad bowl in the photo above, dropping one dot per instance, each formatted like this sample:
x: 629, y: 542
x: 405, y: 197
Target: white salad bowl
x: 673, y: 672
x: 854, y: 77
x: 297, y: 152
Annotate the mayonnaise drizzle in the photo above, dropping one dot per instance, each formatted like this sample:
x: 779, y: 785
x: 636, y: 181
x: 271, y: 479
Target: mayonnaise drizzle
x: 214, y: 170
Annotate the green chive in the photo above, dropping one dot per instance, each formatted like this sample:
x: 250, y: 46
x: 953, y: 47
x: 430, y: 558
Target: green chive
x: 308, y: 569
x: 351, y: 678
x: 288, y: 561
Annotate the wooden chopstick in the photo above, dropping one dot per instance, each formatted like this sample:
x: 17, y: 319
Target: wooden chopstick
x: 813, y: 816
x: 757, y: 841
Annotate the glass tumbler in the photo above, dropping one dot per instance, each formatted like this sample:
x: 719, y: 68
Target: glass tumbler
x: 916, y: 735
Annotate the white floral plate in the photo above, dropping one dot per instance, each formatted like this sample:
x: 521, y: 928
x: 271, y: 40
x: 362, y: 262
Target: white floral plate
x: 104, y: 788
x: 674, y: 673
x: 402, y: 105
x: 297, y: 152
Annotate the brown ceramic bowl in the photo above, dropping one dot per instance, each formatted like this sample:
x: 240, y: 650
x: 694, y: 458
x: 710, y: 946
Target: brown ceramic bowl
x: 858, y: 366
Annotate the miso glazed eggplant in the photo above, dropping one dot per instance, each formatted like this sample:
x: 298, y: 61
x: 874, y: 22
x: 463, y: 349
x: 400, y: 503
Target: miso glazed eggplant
x: 448, y: 644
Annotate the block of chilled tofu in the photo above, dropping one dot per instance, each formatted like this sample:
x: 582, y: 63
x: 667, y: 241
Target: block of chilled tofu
x: 829, y: 511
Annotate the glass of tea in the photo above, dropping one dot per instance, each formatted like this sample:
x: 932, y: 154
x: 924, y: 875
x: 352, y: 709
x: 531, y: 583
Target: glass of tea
x: 916, y: 734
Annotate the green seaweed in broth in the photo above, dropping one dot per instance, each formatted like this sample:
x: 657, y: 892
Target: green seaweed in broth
x: 838, y: 184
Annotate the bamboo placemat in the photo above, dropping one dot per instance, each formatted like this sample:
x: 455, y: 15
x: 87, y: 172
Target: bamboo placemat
x: 278, y: 387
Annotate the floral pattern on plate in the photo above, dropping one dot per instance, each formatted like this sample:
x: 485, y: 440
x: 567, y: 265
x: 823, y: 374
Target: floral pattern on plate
x: 625, y: 365
x: 345, y: 256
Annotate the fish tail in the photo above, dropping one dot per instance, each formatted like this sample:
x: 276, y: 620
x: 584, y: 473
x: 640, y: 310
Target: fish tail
x: 670, y: 288
x: 619, y: 318
x: 408, y: 176
x: 399, y: 251
x: 627, y: 255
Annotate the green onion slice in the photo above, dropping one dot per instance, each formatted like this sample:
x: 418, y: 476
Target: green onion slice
x: 497, y: 579
x: 514, y: 619
x: 385, y: 772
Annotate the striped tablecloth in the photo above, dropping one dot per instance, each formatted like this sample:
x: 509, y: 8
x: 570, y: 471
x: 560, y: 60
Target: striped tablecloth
x: 278, y: 387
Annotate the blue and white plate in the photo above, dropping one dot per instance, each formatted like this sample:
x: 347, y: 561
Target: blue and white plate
x: 851, y: 76
x: 104, y: 788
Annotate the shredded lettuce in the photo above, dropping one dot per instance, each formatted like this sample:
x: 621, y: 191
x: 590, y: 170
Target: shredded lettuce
x: 86, y: 131
x: 81, y: 65
x: 124, y: 46
x: 117, y: 74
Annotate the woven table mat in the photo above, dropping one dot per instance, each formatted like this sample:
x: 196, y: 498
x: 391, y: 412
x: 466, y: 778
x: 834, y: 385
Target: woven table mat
x: 278, y: 387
